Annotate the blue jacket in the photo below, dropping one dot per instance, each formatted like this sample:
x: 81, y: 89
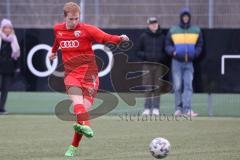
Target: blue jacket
x: 184, y: 39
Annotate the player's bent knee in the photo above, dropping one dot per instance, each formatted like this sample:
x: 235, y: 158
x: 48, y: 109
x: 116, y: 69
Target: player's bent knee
x: 75, y: 91
x: 87, y: 103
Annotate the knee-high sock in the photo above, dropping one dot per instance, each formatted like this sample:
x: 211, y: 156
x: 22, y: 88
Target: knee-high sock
x: 82, y: 118
x: 81, y: 114
x: 76, y: 139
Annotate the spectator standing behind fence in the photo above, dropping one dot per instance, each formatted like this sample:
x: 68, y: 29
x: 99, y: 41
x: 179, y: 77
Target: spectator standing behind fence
x: 184, y: 44
x: 9, y: 53
x: 151, y: 49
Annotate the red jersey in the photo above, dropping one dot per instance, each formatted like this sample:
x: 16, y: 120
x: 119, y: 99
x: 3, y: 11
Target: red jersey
x: 76, y: 46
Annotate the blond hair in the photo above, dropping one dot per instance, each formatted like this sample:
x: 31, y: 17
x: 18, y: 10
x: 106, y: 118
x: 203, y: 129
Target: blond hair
x: 71, y: 7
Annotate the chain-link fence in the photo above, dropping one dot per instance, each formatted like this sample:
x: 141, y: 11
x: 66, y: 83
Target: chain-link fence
x: 124, y: 13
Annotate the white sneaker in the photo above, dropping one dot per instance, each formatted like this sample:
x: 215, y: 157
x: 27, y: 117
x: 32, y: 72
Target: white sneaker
x: 4, y: 113
x: 155, y: 112
x: 192, y: 114
x: 146, y: 112
x: 178, y: 113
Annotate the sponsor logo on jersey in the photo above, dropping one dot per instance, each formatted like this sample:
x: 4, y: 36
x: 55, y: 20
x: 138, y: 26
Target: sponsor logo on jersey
x: 60, y: 33
x: 69, y: 44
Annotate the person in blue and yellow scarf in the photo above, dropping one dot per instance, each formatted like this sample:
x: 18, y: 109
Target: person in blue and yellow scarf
x: 183, y: 43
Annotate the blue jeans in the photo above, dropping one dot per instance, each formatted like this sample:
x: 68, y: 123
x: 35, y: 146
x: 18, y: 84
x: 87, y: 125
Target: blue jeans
x: 182, y: 75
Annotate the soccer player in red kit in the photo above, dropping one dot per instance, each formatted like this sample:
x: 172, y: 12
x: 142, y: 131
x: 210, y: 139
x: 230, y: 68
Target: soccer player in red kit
x: 81, y: 73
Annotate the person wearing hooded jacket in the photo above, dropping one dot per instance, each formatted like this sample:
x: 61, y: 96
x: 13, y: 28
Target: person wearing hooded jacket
x: 150, y: 48
x: 9, y: 53
x: 184, y: 44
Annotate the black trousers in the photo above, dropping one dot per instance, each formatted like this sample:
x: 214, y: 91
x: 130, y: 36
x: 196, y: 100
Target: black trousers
x: 4, y: 85
x: 155, y: 72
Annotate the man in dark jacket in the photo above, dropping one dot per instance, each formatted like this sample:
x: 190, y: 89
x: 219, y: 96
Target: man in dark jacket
x: 151, y: 49
x: 184, y: 44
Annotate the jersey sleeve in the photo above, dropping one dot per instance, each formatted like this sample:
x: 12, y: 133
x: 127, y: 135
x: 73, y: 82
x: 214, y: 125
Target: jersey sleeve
x: 55, y: 44
x: 102, y: 37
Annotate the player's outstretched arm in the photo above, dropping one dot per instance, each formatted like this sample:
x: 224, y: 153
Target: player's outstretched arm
x: 102, y: 37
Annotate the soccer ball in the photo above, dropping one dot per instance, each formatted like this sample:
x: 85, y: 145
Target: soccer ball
x: 159, y: 147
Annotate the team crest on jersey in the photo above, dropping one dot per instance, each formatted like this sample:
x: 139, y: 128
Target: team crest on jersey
x: 77, y: 33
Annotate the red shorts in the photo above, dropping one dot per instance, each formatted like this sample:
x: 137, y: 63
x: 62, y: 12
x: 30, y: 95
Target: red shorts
x: 89, y: 87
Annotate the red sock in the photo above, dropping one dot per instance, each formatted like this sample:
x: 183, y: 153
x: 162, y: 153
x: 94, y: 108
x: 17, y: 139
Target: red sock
x: 76, y: 139
x: 82, y: 114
